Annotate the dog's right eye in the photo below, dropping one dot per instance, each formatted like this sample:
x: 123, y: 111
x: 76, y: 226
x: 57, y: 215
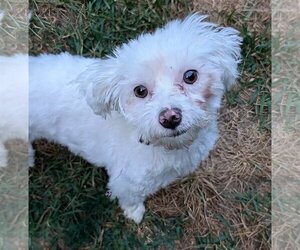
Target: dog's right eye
x: 140, y: 91
x: 190, y: 76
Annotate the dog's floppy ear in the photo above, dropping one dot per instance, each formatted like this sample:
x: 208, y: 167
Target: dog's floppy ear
x: 222, y: 45
x: 229, y: 54
x: 99, y: 85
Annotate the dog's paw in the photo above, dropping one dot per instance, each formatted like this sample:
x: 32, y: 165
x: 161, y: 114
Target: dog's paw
x: 30, y: 161
x: 3, y: 156
x: 31, y: 154
x: 3, y: 162
x: 135, y: 212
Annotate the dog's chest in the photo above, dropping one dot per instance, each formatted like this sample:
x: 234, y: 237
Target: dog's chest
x: 165, y: 167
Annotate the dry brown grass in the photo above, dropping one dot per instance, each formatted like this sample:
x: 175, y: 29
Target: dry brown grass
x: 14, y: 27
x: 286, y: 126
x: 285, y: 181
x: 14, y: 198
x: 255, y: 13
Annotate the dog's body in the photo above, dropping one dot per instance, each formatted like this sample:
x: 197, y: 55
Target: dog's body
x: 132, y: 113
x: 14, y: 102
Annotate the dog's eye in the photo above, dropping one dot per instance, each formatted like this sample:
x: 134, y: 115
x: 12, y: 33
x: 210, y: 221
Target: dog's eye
x: 140, y: 91
x: 190, y: 76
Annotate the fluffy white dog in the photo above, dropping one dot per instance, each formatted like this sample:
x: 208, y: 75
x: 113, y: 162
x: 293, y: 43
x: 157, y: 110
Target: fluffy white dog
x: 148, y: 113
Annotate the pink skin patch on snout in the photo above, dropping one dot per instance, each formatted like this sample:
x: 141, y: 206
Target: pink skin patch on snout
x: 180, y: 87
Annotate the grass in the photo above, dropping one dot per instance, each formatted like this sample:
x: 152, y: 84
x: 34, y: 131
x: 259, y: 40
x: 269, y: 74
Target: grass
x: 13, y: 27
x: 14, y: 199
x: 224, y: 205
x: 285, y: 126
x: 286, y: 97
x: 94, y: 28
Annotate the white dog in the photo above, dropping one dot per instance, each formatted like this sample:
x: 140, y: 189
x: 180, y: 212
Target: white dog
x: 148, y: 113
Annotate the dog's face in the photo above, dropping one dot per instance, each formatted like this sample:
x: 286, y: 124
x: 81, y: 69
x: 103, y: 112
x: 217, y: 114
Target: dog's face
x: 170, y: 83
x: 169, y: 99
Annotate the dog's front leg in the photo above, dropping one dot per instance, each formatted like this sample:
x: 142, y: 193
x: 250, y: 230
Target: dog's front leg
x: 31, y: 153
x: 3, y: 155
x: 129, y: 197
x: 133, y: 211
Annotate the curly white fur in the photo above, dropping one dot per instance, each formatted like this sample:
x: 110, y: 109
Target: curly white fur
x: 89, y: 105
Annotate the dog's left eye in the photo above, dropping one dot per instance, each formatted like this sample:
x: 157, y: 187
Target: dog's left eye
x: 190, y: 76
x: 140, y: 91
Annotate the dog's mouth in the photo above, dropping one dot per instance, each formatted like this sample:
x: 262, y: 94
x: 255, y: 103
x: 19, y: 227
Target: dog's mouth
x: 174, y: 134
x: 178, y: 133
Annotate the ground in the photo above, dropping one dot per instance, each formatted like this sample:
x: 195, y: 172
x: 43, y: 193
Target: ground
x: 225, y: 204
x: 285, y: 125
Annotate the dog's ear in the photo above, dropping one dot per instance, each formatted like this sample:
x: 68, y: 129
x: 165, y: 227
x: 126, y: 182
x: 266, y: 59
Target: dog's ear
x: 99, y: 84
x: 221, y: 43
x: 229, y: 54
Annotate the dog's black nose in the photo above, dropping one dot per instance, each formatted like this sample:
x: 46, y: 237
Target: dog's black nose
x: 170, y: 118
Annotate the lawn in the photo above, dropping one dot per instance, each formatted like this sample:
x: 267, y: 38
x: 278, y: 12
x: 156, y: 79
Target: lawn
x: 285, y: 125
x: 225, y: 204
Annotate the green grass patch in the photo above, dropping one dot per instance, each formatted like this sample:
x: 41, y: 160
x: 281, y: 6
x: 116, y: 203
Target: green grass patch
x: 93, y: 28
x: 68, y: 207
x: 222, y: 241
x: 255, y: 75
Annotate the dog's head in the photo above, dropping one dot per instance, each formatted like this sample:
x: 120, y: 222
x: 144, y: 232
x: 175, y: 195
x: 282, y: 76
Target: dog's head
x: 167, y: 84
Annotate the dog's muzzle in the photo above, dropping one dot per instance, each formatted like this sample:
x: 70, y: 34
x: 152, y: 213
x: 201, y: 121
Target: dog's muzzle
x: 170, y: 118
